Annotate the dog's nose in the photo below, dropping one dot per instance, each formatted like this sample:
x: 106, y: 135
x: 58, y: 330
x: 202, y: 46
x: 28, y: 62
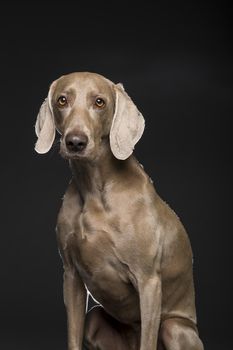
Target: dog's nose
x: 76, y: 143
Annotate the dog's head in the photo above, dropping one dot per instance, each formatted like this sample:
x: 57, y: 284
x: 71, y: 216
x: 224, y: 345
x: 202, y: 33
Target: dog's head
x: 90, y: 112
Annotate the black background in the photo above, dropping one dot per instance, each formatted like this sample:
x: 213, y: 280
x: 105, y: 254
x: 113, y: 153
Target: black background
x: 175, y: 61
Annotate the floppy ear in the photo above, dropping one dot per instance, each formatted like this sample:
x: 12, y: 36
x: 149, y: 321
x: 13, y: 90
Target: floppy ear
x: 45, y: 127
x: 127, y: 125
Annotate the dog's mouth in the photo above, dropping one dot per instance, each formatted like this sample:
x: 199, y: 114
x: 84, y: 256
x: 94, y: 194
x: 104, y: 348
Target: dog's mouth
x: 72, y: 155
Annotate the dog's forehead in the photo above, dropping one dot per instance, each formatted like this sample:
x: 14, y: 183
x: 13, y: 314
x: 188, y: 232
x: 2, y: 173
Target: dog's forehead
x: 83, y: 81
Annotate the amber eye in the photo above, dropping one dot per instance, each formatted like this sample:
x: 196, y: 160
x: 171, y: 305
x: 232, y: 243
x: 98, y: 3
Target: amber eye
x: 99, y: 102
x: 62, y: 101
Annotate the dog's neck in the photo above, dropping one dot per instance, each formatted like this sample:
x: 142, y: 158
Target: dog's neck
x: 92, y: 178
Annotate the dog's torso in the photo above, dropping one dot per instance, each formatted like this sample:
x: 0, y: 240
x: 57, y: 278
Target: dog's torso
x: 102, y: 238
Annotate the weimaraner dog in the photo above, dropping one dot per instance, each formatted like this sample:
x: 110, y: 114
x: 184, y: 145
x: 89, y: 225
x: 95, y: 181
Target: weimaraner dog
x: 119, y: 241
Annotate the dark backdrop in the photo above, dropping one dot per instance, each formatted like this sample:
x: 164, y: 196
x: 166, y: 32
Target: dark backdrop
x: 176, y: 63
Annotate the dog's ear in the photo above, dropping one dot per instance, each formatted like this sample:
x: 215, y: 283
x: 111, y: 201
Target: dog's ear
x: 45, y: 126
x: 127, y: 125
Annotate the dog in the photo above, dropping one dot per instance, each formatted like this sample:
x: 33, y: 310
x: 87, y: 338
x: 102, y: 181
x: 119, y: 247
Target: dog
x: 119, y: 241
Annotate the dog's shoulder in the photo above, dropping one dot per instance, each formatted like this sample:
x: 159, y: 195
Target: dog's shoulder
x: 68, y: 213
x: 71, y: 204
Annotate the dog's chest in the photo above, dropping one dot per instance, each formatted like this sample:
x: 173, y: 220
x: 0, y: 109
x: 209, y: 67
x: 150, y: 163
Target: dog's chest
x: 94, y: 242
x: 93, y: 246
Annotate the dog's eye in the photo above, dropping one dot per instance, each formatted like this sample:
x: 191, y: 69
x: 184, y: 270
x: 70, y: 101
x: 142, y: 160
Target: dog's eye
x: 62, y: 101
x: 99, y: 102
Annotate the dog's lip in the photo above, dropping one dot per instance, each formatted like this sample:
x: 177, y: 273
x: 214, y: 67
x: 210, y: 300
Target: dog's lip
x: 69, y: 155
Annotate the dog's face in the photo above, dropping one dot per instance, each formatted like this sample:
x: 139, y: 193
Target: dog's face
x: 91, y: 113
x: 83, y: 109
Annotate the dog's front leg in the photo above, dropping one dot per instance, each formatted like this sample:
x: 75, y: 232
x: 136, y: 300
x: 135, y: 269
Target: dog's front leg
x: 150, y: 306
x: 75, y: 301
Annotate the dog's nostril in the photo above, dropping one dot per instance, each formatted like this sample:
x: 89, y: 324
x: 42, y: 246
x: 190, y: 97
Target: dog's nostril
x: 76, y: 143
